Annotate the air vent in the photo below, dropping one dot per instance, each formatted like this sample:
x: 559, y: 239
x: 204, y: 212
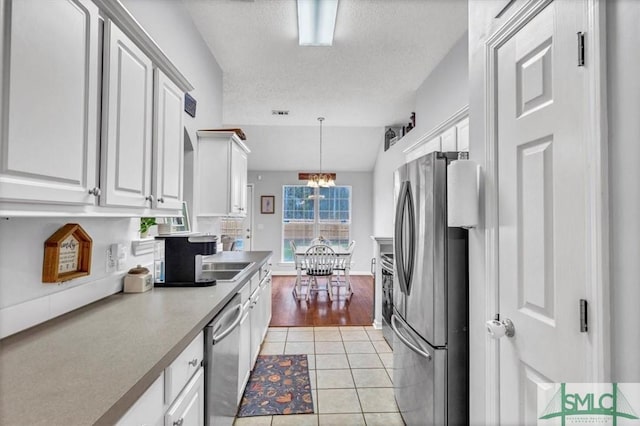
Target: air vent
x: 279, y: 112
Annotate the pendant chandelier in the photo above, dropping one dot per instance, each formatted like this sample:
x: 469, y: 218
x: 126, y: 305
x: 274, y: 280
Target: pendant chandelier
x: 322, y: 180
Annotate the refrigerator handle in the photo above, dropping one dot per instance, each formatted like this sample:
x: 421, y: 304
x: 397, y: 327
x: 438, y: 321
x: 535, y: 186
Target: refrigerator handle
x: 405, y: 204
x: 398, y: 240
x: 406, y: 341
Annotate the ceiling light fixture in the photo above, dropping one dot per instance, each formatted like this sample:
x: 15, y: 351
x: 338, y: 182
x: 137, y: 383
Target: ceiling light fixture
x: 323, y: 180
x: 316, y: 22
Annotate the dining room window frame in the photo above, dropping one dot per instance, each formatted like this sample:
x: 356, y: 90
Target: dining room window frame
x: 318, y: 220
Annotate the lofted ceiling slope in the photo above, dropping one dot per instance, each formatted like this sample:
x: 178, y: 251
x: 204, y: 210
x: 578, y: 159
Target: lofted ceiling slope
x: 383, y: 50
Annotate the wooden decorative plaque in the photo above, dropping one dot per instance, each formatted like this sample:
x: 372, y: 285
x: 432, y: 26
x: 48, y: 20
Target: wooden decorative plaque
x: 67, y: 254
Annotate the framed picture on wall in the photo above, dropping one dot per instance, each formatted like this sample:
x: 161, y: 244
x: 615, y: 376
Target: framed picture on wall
x: 267, y: 203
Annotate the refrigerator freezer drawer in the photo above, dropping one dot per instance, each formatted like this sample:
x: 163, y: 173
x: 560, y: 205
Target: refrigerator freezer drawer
x: 419, y: 381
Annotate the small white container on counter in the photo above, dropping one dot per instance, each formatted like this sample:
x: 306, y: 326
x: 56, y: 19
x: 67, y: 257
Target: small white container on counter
x: 138, y: 280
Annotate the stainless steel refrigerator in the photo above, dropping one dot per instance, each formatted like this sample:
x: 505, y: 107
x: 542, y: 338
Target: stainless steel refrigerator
x: 430, y: 296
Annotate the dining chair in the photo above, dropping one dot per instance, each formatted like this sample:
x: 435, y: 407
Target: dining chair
x: 342, y: 264
x: 297, y: 262
x: 319, y: 261
x: 320, y: 240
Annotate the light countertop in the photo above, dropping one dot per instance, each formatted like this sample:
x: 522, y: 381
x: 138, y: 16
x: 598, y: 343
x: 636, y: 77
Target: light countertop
x: 90, y: 365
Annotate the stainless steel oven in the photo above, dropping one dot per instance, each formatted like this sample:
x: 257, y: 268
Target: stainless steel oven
x: 386, y: 264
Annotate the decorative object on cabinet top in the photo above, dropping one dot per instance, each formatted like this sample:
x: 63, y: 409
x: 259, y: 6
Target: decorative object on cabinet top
x: 238, y: 132
x: 190, y: 105
x: 67, y: 254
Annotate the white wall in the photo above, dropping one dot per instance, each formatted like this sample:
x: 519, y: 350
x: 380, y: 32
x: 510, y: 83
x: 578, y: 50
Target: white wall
x: 267, y: 233
x: 443, y: 92
x: 624, y: 174
x: 24, y: 299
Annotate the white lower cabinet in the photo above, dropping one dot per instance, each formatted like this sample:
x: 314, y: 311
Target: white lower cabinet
x: 244, y: 361
x: 148, y: 409
x: 188, y: 408
x: 180, y: 387
x: 260, y: 315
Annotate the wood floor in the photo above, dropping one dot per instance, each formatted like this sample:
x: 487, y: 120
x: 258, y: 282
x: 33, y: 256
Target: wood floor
x: 319, y: 310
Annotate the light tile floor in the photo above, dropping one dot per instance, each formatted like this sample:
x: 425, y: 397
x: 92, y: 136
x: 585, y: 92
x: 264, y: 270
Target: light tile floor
x: 351, y: 372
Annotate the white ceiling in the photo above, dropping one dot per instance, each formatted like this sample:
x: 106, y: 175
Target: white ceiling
x: 383, y: 50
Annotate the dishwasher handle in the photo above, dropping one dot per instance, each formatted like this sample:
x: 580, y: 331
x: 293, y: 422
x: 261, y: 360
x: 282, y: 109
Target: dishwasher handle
x: 218, y: 337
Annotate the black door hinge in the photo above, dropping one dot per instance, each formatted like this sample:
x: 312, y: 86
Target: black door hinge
x: 580, y: 49
x: 584, y: 326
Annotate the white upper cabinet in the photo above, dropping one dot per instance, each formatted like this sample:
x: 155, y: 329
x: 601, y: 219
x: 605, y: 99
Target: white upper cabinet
x: 83, y: 122
x: 222, y: 174
x: 451, y: 135
x: 168, y: 136
x: 239, y: 164
x: 49, y: 101
x: 127, y: 126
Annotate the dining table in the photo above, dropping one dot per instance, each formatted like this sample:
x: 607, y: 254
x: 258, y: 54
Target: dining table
x: 342, y: 253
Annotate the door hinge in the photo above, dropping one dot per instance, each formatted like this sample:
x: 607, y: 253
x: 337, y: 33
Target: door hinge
x: 584, y: 327
x: 580, y: 49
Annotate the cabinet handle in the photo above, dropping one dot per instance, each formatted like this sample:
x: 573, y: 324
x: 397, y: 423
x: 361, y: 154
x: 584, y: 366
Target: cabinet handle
x: 178, y: 422
x: 193, y: 362
x: 149, y: 198
x: 161, y: 200
x: 95, y: 192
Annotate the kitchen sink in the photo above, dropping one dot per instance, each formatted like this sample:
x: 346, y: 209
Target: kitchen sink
x: 225, y: 266
x: 221, y: 275
x: 224, y: 271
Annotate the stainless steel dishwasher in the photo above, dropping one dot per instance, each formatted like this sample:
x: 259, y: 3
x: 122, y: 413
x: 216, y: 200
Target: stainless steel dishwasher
x: 222, y: 346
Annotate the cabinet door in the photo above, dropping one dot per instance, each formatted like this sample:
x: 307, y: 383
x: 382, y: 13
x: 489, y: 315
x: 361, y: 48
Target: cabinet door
x: 168, y: 150
x: 127, y: 113
x: 238, y: 190
x: 244, y: 365
x: 256, y: 325
x: 213, y: 176
x: 462, y: 130
x: 448, y: 139
x: 267, y: 304
x: 188, y: 408
x: 49, y: 86
x: 148, y: 409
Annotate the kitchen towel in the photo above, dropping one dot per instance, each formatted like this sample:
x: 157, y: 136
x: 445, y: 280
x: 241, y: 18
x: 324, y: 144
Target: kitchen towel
x: 279, y: 384
x: 462, y: 193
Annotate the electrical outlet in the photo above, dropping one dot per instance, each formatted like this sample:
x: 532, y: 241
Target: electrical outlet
x: 110, y: 257
x: 116, y: 257
x: 121, y: 256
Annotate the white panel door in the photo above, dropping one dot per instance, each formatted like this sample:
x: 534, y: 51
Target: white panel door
x: 50, y: 86
x: 542, y: 208
x: 127, y: 108
x: 168, y: 150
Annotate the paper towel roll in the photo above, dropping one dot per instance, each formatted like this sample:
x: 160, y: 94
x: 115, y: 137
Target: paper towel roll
x: 462, y: 194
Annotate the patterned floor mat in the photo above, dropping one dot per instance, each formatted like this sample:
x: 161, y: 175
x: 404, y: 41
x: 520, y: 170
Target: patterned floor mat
x: 279, y: 384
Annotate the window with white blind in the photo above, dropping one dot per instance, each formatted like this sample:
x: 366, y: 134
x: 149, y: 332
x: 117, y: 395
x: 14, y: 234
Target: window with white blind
x: 310, y: 212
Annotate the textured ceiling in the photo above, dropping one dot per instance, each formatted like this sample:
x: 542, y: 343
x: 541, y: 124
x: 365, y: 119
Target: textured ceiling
x: 383, y: 50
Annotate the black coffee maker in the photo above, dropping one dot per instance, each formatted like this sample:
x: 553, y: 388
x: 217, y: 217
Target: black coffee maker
x: 183, y: 260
